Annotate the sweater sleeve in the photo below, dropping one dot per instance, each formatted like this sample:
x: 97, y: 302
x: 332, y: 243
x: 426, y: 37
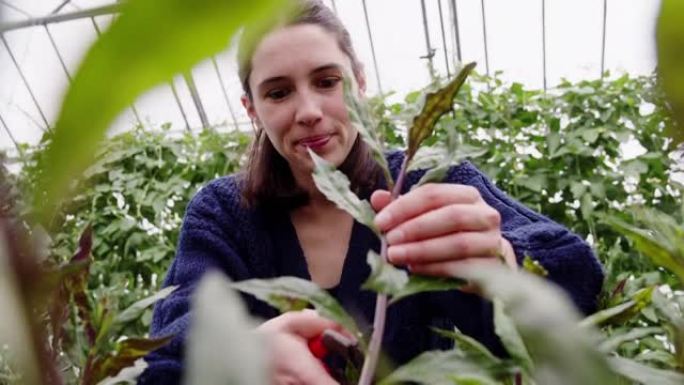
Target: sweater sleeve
x: 205, y: 243
x: 570, y: 261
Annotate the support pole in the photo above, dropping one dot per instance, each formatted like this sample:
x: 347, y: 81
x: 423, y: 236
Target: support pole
x: 544, y: 43
x: 484, y: 36
x: 603, y: 40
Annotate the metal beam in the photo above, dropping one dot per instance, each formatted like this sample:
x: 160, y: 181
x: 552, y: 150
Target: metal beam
x: 59, y: 7
x: 544, y: 42
x: 14, y: 7
x: 180, y: 105
x: 223, y: 90
x: 59, y: 54
x: 456, y: 31
x: 9, y: 133
x: 370, y: 39
x: 58, y: 18
x: 23, y: 78
x: 484, y: 36
x: 428, y: 46
x: 444, y: 42
x: 190, y: 82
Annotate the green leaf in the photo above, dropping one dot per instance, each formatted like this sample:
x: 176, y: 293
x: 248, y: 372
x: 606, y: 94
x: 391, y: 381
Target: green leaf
x: 127, y: 375
x: 284, y: 291
x: 535, y: 183
x: 398, y: 284
x: 436, y: 105
x: 587, y: 206
x: 360, y: 117
x: 15, y: 329
x: 445, y: 368
x: 614, y: 341
x: 134, y: 311
x: 553, y: 141
x: 146, y: 45
x: 335, y: 186
x: 420, y: 284
x: 590, y: 134
x: 562, y: 352
x: 645, y: 374
x: 438, y: 160
x: 577, y: 189
x: 661, y: 243
x: 126, y: 353
x: 384, y: 277
x: 670, y: 34
x: 634, y: 167
x: 469, y: 346
x: 222, y: 346
x: 623, y: 312
x: 427, y: 158
x: 507, y: 332
x: 534, y: 267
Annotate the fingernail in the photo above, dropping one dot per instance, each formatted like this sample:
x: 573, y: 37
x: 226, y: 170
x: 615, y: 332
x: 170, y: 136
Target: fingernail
x: 395, y: 236
x: 383, y: 219
x: 396, y: 254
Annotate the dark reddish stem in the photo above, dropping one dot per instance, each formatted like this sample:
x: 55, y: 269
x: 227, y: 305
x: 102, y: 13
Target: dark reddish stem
x: 371, y: 362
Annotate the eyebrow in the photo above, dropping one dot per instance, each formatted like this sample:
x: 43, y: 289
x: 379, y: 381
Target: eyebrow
x: 323, y: 68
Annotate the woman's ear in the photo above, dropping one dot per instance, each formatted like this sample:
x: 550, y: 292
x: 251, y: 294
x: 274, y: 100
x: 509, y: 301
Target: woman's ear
x: 249, y: 106
x: 361, y: 80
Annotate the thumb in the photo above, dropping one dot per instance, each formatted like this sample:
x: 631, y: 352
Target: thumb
x: 380, y: 199
x: 308, y: 324
x: 316, y: 374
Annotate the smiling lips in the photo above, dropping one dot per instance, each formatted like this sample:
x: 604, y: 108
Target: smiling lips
x: 315, y: 142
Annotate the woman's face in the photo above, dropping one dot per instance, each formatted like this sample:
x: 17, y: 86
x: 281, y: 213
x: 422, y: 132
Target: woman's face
x: 297, y: 95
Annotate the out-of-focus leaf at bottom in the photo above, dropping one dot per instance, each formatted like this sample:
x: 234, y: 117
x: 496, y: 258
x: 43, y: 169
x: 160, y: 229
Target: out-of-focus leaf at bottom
x: 563, y: 353
x: 222, y: 346
x: 645, y: 374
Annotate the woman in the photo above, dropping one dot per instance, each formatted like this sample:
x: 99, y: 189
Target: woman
x: 271, y: 220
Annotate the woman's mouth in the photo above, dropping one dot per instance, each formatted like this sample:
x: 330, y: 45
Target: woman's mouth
x: 315, y: 142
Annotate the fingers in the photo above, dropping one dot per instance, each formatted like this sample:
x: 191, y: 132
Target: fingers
x: 315, y: 374
x: 423, y: 199
x: 451, y: 268
x: 450, y: 247
x: 293, y: 363
x: 445, y: 220
x: 379, y: 199
x: 308, y: 324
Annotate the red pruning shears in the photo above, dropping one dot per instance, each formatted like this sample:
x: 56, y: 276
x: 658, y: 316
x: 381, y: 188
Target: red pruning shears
x: 336, y: 352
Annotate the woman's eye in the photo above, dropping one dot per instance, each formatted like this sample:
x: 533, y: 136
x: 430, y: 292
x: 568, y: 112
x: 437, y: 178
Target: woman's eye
x: 277, y: 93
x: 328, y: 82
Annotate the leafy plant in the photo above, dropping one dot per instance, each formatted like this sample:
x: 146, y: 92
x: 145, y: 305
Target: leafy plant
x: 134, y: 197
x: 52, y: 297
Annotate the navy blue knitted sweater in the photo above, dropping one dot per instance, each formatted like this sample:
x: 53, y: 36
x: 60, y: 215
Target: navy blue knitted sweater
x: 220, y: 233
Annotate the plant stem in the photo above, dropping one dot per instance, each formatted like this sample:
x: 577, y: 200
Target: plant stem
x: 371, y: 361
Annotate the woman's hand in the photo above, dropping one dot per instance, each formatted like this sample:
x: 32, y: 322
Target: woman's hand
x: 437, y: 228
x: 292, y: 362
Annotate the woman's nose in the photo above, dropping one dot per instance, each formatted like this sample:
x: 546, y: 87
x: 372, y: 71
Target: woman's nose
x: 309, y: 110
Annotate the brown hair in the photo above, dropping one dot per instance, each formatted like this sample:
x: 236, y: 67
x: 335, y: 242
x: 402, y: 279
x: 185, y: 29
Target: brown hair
x: 267, y: 179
